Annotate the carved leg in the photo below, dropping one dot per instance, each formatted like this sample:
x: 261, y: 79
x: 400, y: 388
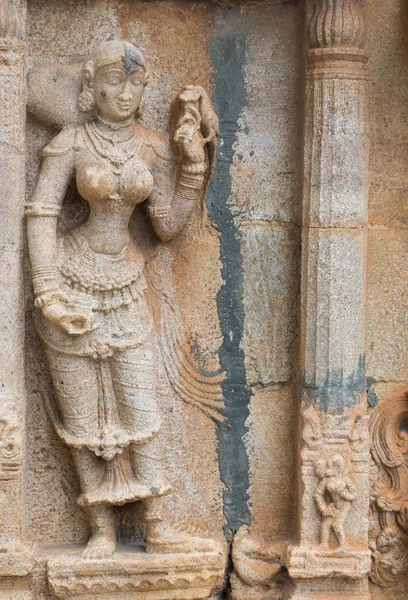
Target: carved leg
x: 76, y: 385
x: 134, y: 379
x: 338, y: 524
x: 325, y: 531
x: 162, y: 538
x: 148, y: 466
x: 103, y: 540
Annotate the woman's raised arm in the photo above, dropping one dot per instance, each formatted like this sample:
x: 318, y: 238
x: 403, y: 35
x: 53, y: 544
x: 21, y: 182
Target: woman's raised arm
x: 171, y: 207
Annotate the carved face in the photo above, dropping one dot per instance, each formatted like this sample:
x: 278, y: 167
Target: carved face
x: 119, y: 91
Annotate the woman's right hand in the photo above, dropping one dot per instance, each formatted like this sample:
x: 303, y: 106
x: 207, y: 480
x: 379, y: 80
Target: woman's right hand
x: 71, y: 321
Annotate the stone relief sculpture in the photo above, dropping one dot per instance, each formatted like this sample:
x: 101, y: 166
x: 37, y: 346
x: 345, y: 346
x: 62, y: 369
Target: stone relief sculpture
x: 335, y: 483
x: 389, y: 495
x: 91, y: 285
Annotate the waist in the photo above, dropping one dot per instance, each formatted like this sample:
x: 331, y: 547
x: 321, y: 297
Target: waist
x: 116, y: 278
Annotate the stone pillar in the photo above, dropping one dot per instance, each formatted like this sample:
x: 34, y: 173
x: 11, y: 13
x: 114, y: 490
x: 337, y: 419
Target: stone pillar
x: 14, y: 556
x: 331, y: 556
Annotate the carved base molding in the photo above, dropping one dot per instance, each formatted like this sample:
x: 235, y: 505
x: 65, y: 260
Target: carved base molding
x: 310, y: 563
x: 337, y: 589
x: 128, y: 575
x: 16, y: 560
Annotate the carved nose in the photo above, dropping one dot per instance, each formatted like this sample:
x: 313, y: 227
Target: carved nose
x: 126, y: 94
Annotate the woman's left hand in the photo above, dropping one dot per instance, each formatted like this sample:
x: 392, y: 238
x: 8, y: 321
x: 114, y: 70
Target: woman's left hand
x: 196, y: 126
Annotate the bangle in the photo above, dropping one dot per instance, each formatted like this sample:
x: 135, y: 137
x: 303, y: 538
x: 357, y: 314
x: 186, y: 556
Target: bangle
x: 158, y: 212
x: 36, y: 209
x: 44, y: 279
x: 194, y: 168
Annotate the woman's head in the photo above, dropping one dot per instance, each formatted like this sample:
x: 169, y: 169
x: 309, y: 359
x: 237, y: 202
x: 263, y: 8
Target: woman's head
x: 113, y: 81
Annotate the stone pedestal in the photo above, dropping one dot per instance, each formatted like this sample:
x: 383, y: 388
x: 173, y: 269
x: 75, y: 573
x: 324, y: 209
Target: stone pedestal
x: 131, y: 574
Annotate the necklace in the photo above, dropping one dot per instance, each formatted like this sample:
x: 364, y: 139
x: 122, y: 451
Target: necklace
x: 117, y: 152
x: 115, y: 125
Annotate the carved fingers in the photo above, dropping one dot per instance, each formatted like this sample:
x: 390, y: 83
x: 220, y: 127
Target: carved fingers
x: 197, y: 124
x: 72, y: 322
x: 209, y: 120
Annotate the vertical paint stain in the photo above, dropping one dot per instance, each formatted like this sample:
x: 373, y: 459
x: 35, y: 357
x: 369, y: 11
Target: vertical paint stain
x: 227, y: 51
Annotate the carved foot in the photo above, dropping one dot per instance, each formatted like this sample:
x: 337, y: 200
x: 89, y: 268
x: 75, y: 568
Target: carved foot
x: 99, y: 546
x: 103, y: 541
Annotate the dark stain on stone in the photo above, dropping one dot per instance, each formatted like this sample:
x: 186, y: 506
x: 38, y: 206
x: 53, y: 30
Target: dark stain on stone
x: 337, y: 393
x: 372, y: 397
x: 227, y: 50
x: 132, y: 58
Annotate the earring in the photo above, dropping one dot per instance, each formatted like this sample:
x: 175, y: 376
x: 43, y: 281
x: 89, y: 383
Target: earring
x: 86, y: 101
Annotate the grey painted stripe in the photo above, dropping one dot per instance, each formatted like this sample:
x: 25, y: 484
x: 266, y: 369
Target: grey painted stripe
x: 227, y: 50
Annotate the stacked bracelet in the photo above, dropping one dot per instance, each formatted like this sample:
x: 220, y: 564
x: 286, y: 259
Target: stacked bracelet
x: 194, y: 168
x: 189, y: 185
x: 159, y: 212
x: 44, y: 279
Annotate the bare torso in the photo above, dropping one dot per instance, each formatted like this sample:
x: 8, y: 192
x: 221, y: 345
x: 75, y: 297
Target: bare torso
x: 112, y: 190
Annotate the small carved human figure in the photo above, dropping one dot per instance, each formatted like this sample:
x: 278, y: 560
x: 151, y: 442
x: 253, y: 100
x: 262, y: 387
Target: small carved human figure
x: 91, y: 308
x: 333, y: 496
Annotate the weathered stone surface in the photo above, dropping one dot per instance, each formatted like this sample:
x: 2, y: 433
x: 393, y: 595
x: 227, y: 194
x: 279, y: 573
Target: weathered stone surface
x: 237, y: 454
x: 270, y: 283
x: 387, y: 286
x: 388, y: 110
x: 272, y: 422
x: 266, y: 175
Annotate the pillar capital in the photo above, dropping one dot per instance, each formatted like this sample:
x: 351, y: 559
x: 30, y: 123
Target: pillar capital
x: 337, y: 24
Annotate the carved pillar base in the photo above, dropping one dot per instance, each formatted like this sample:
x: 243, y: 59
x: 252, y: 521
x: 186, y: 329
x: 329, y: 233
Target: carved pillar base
x: 129, y: 575
x: 332, y: 589
x: 258, y: 572
x: 308, y: 562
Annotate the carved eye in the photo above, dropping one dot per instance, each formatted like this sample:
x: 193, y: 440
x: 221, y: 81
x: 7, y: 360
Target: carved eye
x: 136, y: 81
x: 114, y: 81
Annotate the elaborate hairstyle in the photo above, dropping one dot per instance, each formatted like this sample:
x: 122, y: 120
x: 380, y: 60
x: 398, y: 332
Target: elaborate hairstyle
x: 107, y: 53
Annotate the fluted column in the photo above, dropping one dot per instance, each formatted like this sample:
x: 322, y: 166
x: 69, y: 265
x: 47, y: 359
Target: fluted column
x: 14, y: 556
x: 332, y: 555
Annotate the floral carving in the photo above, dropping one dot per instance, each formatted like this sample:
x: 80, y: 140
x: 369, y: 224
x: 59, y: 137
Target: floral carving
x: 389, y: 447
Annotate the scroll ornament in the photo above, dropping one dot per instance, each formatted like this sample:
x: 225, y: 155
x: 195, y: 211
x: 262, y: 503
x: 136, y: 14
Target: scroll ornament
x: 389, y: 498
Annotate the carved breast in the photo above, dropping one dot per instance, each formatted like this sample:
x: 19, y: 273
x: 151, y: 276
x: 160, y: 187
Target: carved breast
x: 97, y: 182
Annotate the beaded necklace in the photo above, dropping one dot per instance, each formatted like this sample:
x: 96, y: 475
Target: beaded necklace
x: 116, y: 150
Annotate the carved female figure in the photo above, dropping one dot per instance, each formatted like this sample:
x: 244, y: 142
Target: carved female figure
x: 342, y: 491
x: 91, y: 309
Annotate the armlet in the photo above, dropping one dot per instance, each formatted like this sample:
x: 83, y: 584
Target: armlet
x: 65, y: 141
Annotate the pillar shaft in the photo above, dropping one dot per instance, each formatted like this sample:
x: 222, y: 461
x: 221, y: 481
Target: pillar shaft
x: 332, y: 553
x: 14, y: 557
